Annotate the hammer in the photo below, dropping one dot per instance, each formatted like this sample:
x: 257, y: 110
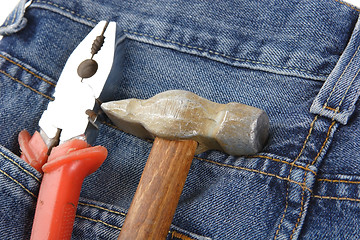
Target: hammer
x: 183, y: 124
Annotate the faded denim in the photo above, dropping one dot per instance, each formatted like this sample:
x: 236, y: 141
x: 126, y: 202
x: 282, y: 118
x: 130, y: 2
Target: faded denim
x: 297, y: 60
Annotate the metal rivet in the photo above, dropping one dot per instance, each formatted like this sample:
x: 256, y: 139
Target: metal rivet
x: 87, y: 68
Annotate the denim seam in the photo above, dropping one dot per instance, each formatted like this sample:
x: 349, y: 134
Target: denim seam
x: 256, y: 171
x: 330, y: 108
x: 281, y: 161
x: 15, y: 16
x: 176, y: 234
x: 312, y: 163
x: 346, y: 4
x: 25, y: 85
x: 17, y: 182
x: 18, y: 165
x: 337, y: 181
x: 288, y: 187
x: 306, y: 139
x: 221, y: 54
x: 99, y: 221
x: 102, y: 208
x: 324, y: 143
x: 67, y: 10
x: 340, y: 77
x: 28, y: 70
x: 337, y: 198
x: 347, y: 89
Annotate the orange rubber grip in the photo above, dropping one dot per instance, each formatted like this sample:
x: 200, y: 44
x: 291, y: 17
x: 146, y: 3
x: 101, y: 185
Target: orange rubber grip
x: 64, y: 173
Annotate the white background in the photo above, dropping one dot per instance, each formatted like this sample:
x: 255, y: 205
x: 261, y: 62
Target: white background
x: 353, y: 2
x: 7, y: 5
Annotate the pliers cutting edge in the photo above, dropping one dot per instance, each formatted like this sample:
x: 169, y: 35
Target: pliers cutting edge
x: 62, y: 150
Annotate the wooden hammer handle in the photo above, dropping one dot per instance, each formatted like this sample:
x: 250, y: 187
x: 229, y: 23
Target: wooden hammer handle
x: 153, y: 206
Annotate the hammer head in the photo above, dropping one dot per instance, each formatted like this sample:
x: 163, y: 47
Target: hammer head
x: 234, y: 128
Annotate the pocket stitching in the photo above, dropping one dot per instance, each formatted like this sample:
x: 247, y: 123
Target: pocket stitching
x: 26, y: 69
x: 25, y: 85
x: 17, y: 182
x: 19, y: 166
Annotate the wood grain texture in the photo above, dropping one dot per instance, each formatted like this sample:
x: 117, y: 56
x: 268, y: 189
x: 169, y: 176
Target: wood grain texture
x: 156, y: 198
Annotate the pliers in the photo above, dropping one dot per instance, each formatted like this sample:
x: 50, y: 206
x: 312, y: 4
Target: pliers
x: 62, y: 150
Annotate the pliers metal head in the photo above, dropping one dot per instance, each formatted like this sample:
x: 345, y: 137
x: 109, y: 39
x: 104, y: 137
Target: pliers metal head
x: 71, y: 114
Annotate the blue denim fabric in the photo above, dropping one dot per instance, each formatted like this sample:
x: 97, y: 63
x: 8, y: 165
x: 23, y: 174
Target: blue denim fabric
x: 295, y: 59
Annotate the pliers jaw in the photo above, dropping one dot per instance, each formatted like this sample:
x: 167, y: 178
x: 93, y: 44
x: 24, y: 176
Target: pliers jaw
x: 69, y: 116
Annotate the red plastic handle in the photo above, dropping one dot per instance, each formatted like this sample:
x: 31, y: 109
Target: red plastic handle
x: 64, y: 173
x: 33, y: 149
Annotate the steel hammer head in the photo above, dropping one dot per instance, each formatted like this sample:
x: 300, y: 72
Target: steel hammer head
x: 234, y: 128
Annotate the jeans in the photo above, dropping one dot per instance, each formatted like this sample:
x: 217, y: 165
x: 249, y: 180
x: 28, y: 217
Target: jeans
x: 297, y: 60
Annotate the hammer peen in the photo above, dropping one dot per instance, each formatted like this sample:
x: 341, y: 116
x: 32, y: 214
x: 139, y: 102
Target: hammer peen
x: 182, y: 124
